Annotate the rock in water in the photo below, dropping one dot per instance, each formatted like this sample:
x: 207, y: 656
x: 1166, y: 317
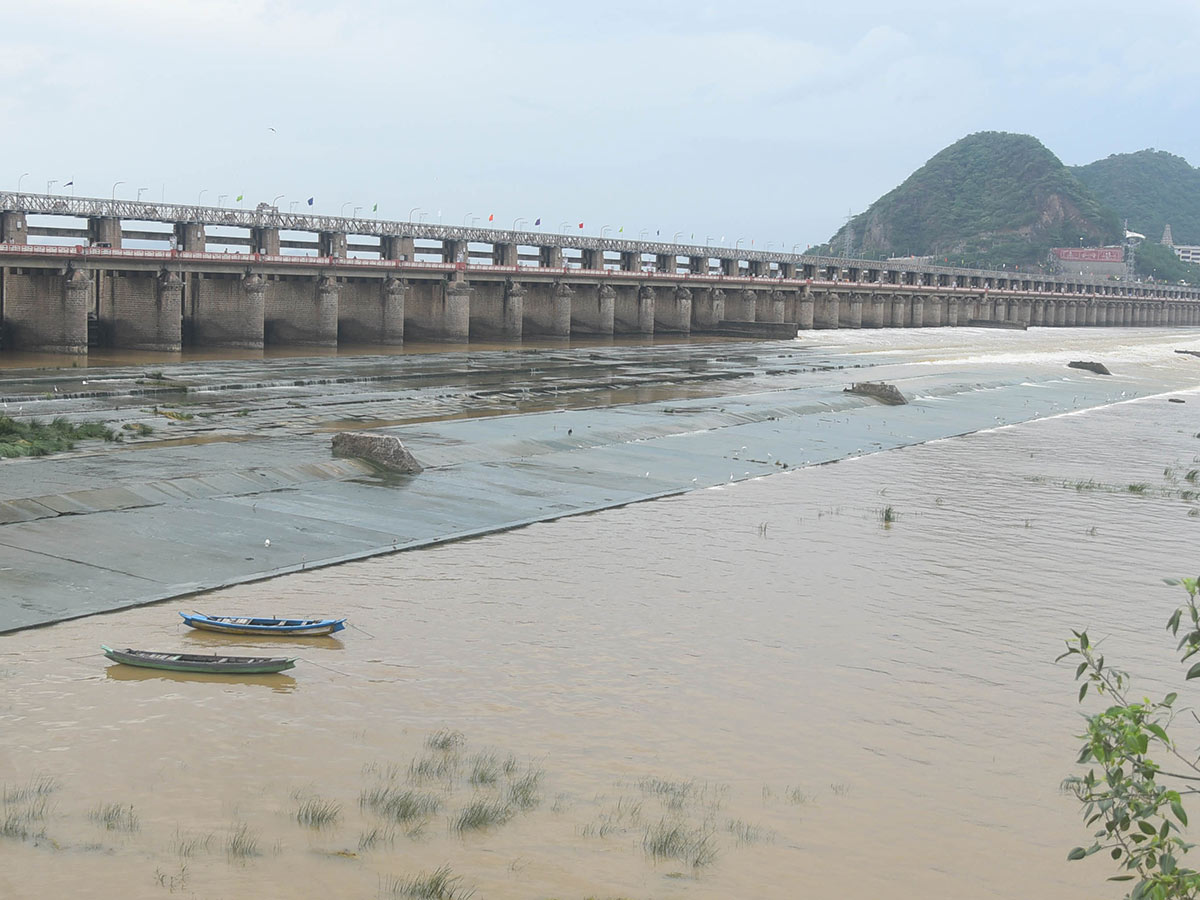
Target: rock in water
x: 880, y: 390
x: 1098, y: 368
x: 383, y: 450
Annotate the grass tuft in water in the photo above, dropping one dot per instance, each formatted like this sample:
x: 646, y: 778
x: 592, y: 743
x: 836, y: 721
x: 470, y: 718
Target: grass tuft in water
x: 114, y: 817
x: 438, y: 767
x: 675, y: 840
x: 446, y: 740
x: 186, y: 846
x: 1139, y: 488
x: 798, y: 796
x: 484, y: 812
x: 522, y: 793
x: 889, y: 515
x: 376, y: 837
x: 441, y: 884
x: 42, y: 786
x: 242, y: 843
x: 317, y: 813
x: 745, y: 833
x: 399, y: 805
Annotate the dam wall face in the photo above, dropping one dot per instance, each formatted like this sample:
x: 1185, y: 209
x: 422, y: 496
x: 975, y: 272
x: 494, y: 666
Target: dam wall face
x: 324, y: 281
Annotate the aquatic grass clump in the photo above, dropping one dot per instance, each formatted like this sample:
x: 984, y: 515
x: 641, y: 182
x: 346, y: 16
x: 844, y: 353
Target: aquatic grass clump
x: 487, y: 768
x: 746, y: 834
x: 439, y: 767
x: 673, y: 794
x: 522, y: 793
x: 376, y: 837
x: 140, y: 429
x: 441, y: 884
x: 34, y: 438
x: 317, y: 813
x: 186, y: 846
x: 399, y: 805
x: 888, y: 515
x: 114, y: 817
x: 241, y: 843
x: 41, y: 786
x: 24, y: 822
x: 675, y: 840
x: 482, y: 813
x: 445, y: 740
x: 1139, y: 488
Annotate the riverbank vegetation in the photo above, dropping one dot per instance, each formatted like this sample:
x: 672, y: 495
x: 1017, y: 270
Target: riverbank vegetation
x: 1138, y: 777
x: 34, y: 438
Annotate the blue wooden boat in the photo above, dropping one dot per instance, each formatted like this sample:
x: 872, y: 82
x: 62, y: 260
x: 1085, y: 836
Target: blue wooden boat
x: 196, y: 662
x: 263, y: 625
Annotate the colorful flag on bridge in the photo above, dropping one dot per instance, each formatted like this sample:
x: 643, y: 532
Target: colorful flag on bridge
x: 538, y: 222
x: 492, y: 217
x: 68, y: 184
x: 580, y: 224
x: 310, y: 201
x: 239, y: 197
x: 375, y: 208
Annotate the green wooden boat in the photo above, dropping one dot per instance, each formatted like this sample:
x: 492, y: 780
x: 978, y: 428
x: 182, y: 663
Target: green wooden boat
x: 199, y: 662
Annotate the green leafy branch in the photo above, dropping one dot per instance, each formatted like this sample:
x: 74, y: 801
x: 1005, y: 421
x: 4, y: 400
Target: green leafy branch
x: 1135, y: 802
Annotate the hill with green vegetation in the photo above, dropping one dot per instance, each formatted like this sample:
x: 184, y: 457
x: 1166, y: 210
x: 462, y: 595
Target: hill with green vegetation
x: 1150, y: 188
x: 988, y: 200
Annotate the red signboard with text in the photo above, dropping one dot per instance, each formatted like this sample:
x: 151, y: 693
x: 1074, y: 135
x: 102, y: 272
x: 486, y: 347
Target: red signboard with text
x: 1091, y: 254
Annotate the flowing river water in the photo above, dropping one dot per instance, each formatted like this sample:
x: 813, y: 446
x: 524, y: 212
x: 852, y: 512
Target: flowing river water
x: 781, y: 692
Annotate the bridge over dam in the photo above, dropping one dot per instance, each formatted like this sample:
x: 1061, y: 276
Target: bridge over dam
x: 80, y: 272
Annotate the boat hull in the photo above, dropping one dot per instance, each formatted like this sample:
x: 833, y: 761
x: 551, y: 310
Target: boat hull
x: 193, y: 662
x: 232, y: 625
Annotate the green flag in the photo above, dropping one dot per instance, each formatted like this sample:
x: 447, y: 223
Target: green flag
x: 619, y: 230
x: 375, y: 208
x: 239, y: 197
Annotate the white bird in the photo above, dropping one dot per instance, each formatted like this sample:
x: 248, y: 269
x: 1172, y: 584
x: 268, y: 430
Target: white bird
x: 267, y: 542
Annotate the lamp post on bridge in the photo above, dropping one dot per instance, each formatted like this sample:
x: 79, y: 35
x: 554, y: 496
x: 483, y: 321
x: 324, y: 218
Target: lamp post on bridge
x: 139, y: 193
x: 412, y: 212
x: 677, y: 236
x: 467, y: 220
x: 24, y: 175
x: 342, y: 213
x: 278, y: 197
x: 736, y: 243
x: 604, y: 228
x: 221, y: 199
x: 117, y: 185
x: 563, y: 226
x: 50, y: 184
x: 516, y: 221
x: 200, y: 197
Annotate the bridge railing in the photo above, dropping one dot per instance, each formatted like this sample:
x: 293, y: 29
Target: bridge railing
x: 81, y: 252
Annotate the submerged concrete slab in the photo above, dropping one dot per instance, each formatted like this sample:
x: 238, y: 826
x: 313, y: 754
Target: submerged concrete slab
x: 125, y: 526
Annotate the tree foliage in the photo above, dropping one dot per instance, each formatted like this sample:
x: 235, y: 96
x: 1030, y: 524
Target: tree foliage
x: 1150, y: 188
x: 988, y: 199
x: 1138, y: 777
x: 1160, y: 263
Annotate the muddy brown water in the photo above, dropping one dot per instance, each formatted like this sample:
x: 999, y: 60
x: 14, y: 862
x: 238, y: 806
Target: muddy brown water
x: 828, y: 705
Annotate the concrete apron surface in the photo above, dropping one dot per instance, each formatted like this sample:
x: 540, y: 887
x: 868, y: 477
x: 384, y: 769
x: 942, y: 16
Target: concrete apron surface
x: 99, y: 531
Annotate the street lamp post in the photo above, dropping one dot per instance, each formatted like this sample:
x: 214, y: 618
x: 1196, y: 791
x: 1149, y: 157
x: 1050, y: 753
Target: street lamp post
x: 117, y: 185
x: 603, y: 229
x: 343, y: 210
x: 642, y: 234
x: 735, y: 244
x: 139, y: 193
x: 516, y: 222
x: 50, y: 184
x: 24, y: 175
x: 412, y: 212
x: 221, y: 199
x: 200, y: 197
x: 466, y: 219
x: 278, y: 197
x: 677, y: 236
x: 563, y: 226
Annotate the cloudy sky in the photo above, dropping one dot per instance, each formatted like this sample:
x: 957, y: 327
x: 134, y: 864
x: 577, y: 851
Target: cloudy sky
x: 760, y: 120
